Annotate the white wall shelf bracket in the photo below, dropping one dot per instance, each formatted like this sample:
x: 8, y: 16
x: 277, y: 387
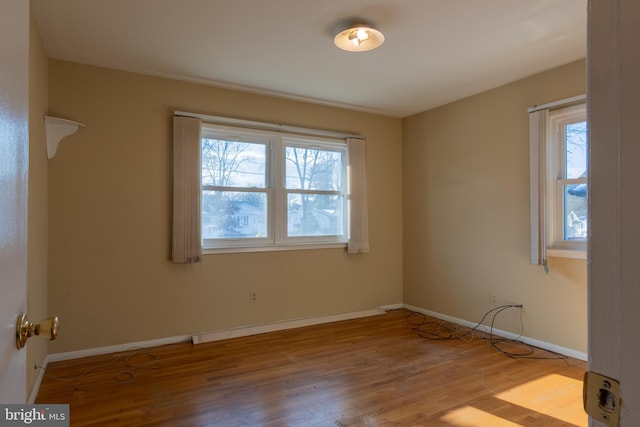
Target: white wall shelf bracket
x: 56, y: 129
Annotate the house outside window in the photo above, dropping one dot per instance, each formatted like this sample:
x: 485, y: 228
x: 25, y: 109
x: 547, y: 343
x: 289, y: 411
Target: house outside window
x: 263, y: 189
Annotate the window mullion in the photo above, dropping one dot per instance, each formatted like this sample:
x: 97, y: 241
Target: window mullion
x: 279, y: 198
x: 234, y: 189
x: 328, y: 192
x: 572, y: 181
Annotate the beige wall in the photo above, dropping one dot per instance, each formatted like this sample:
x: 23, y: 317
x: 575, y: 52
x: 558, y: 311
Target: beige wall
x: 110, y: 279
x: 37, y: 228
x: 466, y: 213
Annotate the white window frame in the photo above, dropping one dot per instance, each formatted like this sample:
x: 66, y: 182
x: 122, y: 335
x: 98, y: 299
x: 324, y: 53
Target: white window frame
x: 547, y: 179
x: 556, y: 173
x: 322, y: 144
x: 277, y: 238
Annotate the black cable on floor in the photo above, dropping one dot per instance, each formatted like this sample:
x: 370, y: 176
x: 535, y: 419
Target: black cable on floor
x: 442, y: 330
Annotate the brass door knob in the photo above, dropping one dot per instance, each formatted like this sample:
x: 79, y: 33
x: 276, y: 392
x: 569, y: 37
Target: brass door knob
x: 24, y: 329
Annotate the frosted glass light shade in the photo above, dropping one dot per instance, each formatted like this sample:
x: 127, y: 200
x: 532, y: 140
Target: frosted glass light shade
x: 359, y: 38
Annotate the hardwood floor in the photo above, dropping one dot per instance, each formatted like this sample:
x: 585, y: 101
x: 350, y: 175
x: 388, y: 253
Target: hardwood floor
x: 374, y: 371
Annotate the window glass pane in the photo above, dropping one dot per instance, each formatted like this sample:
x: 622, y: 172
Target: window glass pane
x: 313, y: 169
x: 575, y: 211
x: 314, y: 215
x: 233, y: 163
x: 234, y: 215
x: 576, y: 150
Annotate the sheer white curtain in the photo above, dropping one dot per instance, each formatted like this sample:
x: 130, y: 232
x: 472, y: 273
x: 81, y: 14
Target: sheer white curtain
x: 358, y: 218
x: 537, y: 170
x: 187, y: 239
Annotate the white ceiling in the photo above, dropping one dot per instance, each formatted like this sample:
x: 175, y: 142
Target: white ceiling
x: 436, y: 51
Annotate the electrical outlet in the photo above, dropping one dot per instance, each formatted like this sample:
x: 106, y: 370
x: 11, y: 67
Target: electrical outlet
x: 492, y: 299
x: 253, y: 297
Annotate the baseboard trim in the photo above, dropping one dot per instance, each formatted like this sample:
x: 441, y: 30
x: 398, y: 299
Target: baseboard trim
x: 280, y: 326
x: 36, y: 385
x: 392, y: 307
x: 504, y: 334
x: 215, y: 335
x: 57, y: 357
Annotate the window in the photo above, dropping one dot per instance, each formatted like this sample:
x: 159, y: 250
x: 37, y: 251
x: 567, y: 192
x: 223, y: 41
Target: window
x: 559, y: 156
x: 567, y: 178
x: 282, y: 187
x: 315, y: 190
x: 264, y: 189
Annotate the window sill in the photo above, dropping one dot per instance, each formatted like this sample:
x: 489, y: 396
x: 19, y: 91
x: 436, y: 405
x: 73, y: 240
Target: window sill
x: 212, y: 251
x: 567, y: 253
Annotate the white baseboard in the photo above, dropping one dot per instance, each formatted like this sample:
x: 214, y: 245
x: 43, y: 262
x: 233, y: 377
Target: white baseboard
x: 279, y: 326
x: 36, y: 386
x: 57, y: 357
x: 215, y: 335
x: 392, y: 307
x: 504, y: 334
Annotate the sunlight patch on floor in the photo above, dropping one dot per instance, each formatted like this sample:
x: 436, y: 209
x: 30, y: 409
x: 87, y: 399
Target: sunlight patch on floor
x: 553, y: 395
x: 468, y: 416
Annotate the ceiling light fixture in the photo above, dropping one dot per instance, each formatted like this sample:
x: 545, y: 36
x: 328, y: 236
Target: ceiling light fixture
x: 358, y: 38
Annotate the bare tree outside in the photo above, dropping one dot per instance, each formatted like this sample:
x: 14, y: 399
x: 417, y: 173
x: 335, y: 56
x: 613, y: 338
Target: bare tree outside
x: 220, y: 159
x: 576, y: 150
x: 313, y: 177
x: 230, y: 169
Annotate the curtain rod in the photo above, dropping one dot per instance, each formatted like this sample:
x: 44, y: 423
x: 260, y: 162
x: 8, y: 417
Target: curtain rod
x: 560, y: 103
x: 228, y: 121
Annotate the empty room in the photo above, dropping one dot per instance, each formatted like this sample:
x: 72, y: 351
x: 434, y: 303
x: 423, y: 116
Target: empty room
x: 280, y: 213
